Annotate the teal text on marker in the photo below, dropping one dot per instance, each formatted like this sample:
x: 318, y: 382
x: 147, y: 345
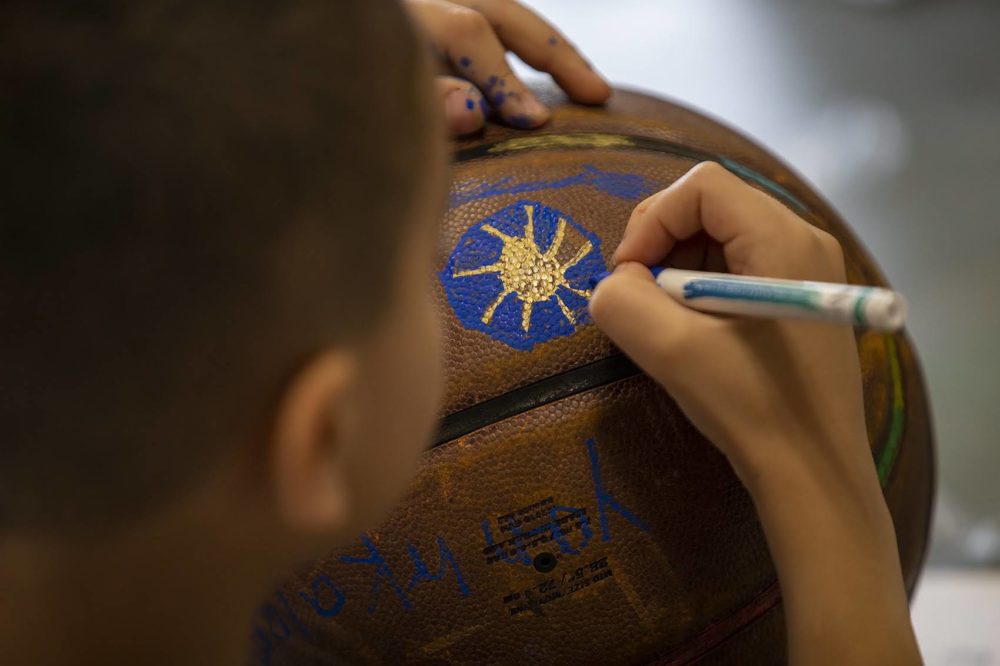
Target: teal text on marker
x: 779, y: 294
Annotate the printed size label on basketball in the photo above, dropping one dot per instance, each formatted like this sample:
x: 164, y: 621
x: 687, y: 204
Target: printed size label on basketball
x: 566, y: 585
x: 542, y: 522
x: 527, y: 514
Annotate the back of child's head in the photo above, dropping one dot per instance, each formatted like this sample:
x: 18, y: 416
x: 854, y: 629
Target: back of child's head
x: 195, y: 197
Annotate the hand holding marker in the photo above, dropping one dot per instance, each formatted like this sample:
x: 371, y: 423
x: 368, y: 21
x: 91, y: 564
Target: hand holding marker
x: 783, y: 402
x: 725, y: 293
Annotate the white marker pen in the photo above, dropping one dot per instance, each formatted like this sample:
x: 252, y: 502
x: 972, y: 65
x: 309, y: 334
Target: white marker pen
x: 724, y: 293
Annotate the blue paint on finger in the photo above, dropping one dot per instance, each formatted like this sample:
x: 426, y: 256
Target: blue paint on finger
x: 553, y: 41
x: 469, y: 104
x: 464, y: 61
x: 522, y: 121
x: 498, y: 100
x: 484, y: 106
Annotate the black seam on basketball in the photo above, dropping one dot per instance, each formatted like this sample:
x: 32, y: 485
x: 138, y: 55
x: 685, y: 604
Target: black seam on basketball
x: 542, y: 392
x: 545, y: 391
x: 520, y: 400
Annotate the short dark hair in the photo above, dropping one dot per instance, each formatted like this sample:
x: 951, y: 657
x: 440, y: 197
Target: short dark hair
x: 195, y: 197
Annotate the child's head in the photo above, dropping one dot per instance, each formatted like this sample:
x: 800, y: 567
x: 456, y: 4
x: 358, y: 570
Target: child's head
x: 216, y: 226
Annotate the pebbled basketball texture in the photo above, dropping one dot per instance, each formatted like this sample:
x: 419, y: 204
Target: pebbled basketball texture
x: 568, y: 512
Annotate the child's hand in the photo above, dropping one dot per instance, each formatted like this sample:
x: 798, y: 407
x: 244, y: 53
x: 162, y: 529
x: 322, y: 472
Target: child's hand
x: 472, y: 38
x: 762, y: 391
x: 783, y: 400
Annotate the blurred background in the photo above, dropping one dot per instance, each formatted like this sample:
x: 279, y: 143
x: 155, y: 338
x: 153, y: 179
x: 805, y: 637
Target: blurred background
x: 892, y: 110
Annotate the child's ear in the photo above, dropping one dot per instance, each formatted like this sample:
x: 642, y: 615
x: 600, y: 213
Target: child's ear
x: 311, y: 432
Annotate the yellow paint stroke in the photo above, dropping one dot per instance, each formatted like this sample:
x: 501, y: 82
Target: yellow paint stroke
x: 897, y: 419
x: 445, y: 642
x: 543, y: 141
x: 534, y: 276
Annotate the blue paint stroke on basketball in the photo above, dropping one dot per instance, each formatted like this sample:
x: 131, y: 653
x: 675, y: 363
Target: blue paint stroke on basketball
x: 585, y: 531
x: 275, y: 629
x: 514, y: 549
x: 265, y: 648
x: 382, y: 573
x: 628, y: 186
x: 271, y: 614
x: 315, y: 597
x: 519, y: 556
x: 294, y: 616
x: 521, y: 275
x: 606, y: 500
x: 446, y: 560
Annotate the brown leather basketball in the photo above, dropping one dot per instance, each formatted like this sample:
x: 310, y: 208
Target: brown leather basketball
x: 568, y: 512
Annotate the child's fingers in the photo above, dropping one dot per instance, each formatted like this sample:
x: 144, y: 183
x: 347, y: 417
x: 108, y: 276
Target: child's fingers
x: 542, y: 46
x: 689, y: 254
x: 708, y: 198
x: 477, y: 54
x: 698, y: 253
x: 643, y: 320
x: 715, y: 259
x: 510, y: 98
x: 464, y: 106
x: 466, y: 39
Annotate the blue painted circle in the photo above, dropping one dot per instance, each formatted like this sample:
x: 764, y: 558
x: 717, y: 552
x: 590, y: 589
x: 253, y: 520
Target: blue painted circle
x: 473, y: 295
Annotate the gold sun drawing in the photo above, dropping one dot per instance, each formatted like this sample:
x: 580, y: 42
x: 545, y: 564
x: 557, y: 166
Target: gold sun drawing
x: 533, y: 275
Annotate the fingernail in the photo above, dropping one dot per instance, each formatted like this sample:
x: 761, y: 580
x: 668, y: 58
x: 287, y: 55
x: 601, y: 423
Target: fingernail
x: 532, y: 107
x: 524, y: 111
x: 457, y: 102
x: 460, y: 110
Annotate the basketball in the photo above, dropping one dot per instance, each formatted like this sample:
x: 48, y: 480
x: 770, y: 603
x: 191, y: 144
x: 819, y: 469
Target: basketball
x: 567, y: 512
